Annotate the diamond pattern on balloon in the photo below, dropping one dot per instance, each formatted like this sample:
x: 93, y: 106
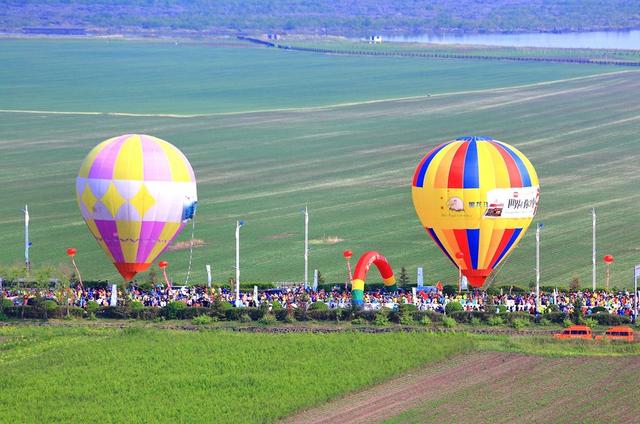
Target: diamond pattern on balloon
x: 88, y: 198
x: 113, y: 200
x: 142, y: 201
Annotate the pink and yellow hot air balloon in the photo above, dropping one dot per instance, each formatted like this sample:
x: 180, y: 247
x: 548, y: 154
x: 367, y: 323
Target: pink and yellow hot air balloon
x: 135, y: 193
x: 476, y: 197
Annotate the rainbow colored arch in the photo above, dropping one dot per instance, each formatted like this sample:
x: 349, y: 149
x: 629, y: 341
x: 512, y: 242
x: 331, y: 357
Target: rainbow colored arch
x: 360, y: 275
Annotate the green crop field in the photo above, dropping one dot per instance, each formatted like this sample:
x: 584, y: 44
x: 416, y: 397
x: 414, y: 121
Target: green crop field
x: 145, y: 375
x: 74, y: 372
x: 268, y: 131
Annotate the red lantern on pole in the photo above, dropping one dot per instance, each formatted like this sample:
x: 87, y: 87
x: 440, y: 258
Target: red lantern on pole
x: 71, y: 252
x: 163, y: 266
x: 347, y: 255
x: 608, y: 260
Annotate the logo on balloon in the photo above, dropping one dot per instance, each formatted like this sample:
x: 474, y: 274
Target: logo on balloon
x: 455, y: 204
x: 494, y: 209
x: 510, y: 203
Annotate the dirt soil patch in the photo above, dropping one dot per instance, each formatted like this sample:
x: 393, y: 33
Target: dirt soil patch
x: 326, y: 240
x: 186, y: 245
x: 279, y: 236
x: 495, y: 387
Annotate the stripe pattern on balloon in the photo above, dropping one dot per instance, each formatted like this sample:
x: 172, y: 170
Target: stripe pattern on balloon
x: 475, y: 197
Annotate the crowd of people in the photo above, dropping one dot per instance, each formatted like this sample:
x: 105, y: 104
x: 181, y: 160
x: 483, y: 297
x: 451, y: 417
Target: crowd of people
x: 620, y: 303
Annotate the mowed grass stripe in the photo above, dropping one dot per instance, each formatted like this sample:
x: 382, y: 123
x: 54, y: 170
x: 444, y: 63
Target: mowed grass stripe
x: 309, y: 108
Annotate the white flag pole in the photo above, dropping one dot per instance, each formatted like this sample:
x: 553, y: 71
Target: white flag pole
x: 635, y: 290
x: 306, y: 247
x: 593, y: 253
x: 238, y: 225
x: 538, y: 267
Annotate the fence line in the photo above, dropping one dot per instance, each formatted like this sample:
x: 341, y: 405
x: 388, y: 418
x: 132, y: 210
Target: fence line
x: 441, y: 55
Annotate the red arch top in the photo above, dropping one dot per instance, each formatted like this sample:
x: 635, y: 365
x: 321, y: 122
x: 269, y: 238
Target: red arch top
x: 365, y: 262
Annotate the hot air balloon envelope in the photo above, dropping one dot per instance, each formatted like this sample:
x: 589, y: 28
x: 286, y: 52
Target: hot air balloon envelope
x: 475, y: 197
x: 135, y: 193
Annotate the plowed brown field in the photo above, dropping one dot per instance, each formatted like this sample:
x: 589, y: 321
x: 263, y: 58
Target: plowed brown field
x: 493, y: 387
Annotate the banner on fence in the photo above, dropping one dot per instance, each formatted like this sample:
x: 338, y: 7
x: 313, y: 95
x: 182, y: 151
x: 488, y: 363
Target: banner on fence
x: 464, y: 283
x: 315, y: 280
x: 114, y: 295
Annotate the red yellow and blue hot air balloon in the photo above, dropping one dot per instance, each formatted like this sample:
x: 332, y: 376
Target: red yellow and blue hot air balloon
x: 475, y: 197
x: 135, y: 192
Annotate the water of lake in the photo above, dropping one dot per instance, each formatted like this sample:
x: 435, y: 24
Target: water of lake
x: 594, y: 40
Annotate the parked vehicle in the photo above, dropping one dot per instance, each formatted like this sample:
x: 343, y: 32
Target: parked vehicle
x: 619, y: 332
x: 575, y: 332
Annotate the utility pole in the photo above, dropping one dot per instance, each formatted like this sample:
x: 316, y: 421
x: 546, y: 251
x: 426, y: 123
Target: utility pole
x: 593, y: 259
x: 538, y: 227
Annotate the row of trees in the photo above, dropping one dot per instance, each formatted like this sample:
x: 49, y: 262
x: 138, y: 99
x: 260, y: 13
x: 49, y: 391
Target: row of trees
x: 325, y: 16
x: 40, y: 277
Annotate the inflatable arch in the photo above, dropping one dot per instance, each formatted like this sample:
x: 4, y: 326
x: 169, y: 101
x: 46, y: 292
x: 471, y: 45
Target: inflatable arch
x: 360, y: 275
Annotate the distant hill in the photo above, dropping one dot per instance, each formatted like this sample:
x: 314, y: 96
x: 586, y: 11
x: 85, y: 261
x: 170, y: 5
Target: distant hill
x: 356, y: 17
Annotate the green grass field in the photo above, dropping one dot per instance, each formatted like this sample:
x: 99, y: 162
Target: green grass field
x: 146, y: 375
x: 351, y: 164
x: 196, y: 78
